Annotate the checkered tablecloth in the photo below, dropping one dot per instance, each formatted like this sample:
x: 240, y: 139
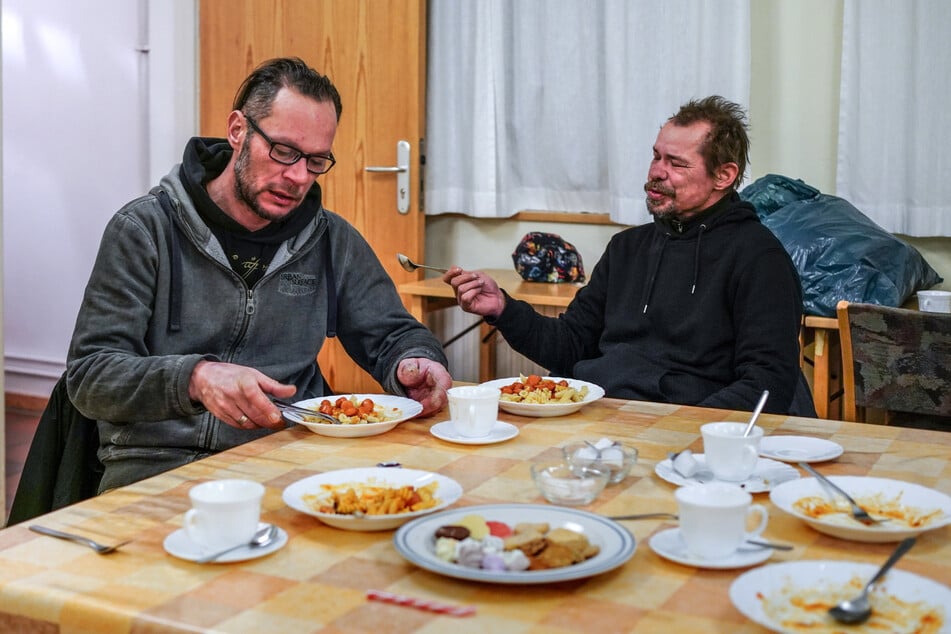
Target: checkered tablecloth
x: 318, y: 581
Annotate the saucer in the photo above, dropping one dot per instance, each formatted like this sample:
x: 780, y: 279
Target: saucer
x: 500, y: 433
x: 178, y: 544
x: 799, y: 448
x: 767, y: 475
x: 669, y: 544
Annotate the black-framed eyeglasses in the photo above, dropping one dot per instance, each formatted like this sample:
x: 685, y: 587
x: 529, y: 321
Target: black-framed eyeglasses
x: 288, y: 155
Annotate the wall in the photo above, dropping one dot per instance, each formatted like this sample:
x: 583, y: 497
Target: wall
x: 96, y: 110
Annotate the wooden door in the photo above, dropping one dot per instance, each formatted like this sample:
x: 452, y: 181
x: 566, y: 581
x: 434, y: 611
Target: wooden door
x: 374, y: 51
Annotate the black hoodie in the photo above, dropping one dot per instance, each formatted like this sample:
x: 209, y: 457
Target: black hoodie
x: 704, y: 313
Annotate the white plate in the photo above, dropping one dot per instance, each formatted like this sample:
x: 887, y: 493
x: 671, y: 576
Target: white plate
x: 408, y: 408
x: 749, y: 590
x: 670, y: 544
x: 178, y: 544
x: 595, y: 392
x: 447, y: 492
x: 799, y: 448
x: 767, y: 475
x: 415, y: 542
x: 844, y: 526
x: 500, y: 433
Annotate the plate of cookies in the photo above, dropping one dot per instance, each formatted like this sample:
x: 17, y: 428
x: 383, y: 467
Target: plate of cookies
x: 518, y: 544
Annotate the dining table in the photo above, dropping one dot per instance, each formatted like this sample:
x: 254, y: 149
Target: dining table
x: 320, y: 579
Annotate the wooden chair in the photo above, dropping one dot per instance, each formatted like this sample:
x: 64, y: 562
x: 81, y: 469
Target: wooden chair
x: 895, y: 359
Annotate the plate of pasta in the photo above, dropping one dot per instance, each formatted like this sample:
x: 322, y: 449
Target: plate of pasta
x: 359, y: 414
x: 795, y: 596
x: 371, y: 498
x: 542, y: 396
x: 907, y: 508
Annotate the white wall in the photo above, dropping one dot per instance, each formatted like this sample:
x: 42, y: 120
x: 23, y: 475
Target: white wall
x: 87, y: 85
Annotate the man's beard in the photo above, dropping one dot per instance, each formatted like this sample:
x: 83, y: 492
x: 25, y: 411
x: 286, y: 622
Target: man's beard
x: 669, y: 208
x: 242, y: 183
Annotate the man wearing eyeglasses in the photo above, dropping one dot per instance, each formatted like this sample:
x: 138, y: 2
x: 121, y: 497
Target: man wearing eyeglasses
x: 214, y: 292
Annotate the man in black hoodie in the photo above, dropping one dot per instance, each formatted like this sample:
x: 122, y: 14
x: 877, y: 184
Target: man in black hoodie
x: 701, y: 307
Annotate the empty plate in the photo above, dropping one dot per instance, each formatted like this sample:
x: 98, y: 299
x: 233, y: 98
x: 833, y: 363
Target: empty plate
x: 799, y: 449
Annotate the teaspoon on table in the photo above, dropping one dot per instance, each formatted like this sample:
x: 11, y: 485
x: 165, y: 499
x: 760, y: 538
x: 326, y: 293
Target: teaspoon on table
x: 858, y: 610
x: 411, y: 266
x: 102, y: 549
x: 262, y: 538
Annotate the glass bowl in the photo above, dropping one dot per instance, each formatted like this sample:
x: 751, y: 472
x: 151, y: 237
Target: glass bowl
x: 569, y: 485
x: 614, y: 456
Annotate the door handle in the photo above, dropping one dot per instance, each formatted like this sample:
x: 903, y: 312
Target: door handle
x: 401, y: 169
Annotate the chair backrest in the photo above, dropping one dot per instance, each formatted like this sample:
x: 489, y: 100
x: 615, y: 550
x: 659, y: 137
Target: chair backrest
x: 894, y: 359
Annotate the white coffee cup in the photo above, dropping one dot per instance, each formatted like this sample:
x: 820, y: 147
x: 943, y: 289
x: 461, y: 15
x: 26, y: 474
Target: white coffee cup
x: 224, y: 513
x: 713, y: 518
x: 728, y: 453
x: 934, y: 301
x: 474, y: 409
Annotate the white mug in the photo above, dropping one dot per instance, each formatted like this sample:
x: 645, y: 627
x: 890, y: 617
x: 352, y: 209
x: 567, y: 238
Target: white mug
x: 713, y: 518
x: 474, y: 409
x: 934, y: 301
x: 728, y: 453
x: 224, y: 513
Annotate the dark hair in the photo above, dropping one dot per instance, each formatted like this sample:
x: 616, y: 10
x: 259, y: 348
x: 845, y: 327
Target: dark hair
x: 257, y: 91
x: 727, y: 141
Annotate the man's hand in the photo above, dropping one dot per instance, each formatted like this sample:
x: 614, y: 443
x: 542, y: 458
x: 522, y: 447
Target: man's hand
x: 238, y: 395
x: 476, y: 292
x: 425, y: 381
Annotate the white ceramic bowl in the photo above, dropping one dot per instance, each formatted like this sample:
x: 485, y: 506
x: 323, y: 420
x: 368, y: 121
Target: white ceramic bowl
x: 400, y: 408
x: 447, y: 492
x: 843, y: 526
x: 595, y: 392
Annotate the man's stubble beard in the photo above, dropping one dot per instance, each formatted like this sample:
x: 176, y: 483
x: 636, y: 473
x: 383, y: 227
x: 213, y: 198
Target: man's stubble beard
x: 242, y: 182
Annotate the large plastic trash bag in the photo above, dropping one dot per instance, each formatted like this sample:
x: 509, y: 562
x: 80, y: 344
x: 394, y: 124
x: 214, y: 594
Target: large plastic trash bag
x: 839, y: 252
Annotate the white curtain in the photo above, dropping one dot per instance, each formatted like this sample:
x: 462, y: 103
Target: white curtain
x: 895, y: 114
x: 555, y: 104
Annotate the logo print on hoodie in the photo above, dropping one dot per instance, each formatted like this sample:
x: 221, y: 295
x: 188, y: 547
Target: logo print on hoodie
x: 297, y: 284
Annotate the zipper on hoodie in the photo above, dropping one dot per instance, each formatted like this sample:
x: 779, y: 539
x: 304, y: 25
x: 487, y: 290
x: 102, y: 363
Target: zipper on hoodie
x: 250, y: 306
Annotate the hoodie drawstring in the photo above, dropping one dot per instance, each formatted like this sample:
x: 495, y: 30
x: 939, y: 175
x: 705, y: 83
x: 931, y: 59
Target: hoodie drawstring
x: 696, y: 260
x: 653, y: 277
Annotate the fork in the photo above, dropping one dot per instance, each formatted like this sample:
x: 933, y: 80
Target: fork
x: 102, y: 549
x: 858, y: 512
x: 284, y: 406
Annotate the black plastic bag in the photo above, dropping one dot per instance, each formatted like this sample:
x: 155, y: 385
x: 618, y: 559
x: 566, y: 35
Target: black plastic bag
x: 839, y: 252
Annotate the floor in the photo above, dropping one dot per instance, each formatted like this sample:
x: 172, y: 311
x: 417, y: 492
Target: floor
x: 20, y: 425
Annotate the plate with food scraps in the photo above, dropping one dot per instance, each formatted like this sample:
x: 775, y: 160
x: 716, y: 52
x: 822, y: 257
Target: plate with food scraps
x: 603, y: 544
x: 387, y: 412
x: 767, y: 475
x: 795, y: 596
x: 909, y: 508
x: 799, y: 448
x: 570, y: 396
x: 374, y: 504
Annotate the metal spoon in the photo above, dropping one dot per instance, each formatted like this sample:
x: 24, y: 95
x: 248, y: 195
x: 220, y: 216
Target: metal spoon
x: 262, y: 538
x: 759, y: 408
x: 858, y: 610
x: 102, y: 549
x: 411, y: 266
